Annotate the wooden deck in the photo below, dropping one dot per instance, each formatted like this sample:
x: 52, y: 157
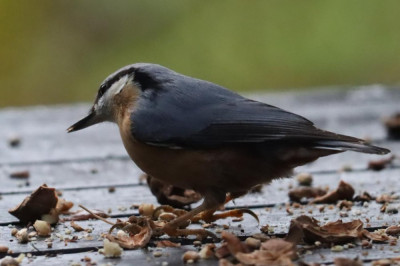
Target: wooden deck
x: 85, y: 164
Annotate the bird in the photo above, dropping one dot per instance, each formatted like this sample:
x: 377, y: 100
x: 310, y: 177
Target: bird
x: 194, y: 134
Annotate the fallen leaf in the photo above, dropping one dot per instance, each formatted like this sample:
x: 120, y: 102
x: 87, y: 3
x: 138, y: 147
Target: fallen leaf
x: 171, y: 195
x: 344, y: 192
x: 40, y: 202
x: 272, y: 252
x: 305, y: 192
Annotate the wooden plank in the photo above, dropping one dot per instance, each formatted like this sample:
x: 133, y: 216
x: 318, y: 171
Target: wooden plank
x: 43, y: 136
x: 173, y: 256
x: 276, y: 193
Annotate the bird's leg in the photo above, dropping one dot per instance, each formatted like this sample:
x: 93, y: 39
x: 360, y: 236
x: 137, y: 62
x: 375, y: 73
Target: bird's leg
x: 211, y: 202
x: 210, y: 216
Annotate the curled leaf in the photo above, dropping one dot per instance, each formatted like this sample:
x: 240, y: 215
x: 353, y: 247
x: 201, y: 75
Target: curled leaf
x: 343, y: 192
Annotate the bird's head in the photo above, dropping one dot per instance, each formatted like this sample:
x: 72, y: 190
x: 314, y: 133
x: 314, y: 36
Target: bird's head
x: 119, y: 92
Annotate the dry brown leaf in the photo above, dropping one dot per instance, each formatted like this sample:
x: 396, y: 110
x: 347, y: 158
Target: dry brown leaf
x: 307, y: 228
x: 40, y: 202
x: 347, y: 262
x: 171, y: 195
x: 167, y: 244
x: 343, y: 192
x: 134, y: 241
x: 272, y: 252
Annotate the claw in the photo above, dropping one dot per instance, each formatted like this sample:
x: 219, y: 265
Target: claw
x: 212, y: 217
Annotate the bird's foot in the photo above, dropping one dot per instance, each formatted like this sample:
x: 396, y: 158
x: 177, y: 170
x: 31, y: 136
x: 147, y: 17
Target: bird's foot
x: 211, y: 216
x: 173, y: 231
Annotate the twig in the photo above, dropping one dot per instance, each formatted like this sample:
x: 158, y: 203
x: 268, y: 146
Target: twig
x: 96, y: 216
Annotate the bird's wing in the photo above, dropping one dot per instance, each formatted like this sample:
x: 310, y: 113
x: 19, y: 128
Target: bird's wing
x: 205, y: 115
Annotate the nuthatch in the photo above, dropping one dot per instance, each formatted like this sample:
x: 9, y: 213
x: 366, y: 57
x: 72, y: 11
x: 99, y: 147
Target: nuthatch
x: 197, y: 135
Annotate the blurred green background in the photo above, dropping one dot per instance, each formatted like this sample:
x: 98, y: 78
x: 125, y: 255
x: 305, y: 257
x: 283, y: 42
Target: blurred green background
x: 59, y: 51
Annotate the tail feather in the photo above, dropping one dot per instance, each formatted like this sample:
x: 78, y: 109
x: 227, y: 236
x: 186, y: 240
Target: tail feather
x: 360, y: 146
x: 337, y: 142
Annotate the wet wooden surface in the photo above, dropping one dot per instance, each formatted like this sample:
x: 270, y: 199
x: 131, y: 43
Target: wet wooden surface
x: 85, y: 164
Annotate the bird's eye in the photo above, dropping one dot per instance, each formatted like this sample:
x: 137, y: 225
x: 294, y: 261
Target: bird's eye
x: 102, y: 90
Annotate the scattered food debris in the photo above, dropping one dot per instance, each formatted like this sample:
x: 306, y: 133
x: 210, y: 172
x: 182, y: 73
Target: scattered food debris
x: 167, y: 244
x: 76, y: 227
x: 347, y: 262
x: 3, y: 249
x: 392, y: 124
x: 110, y: 249
x: 20, y: 174
x: 378, y: 165
x: 207, y: 252
x: 304, y: 179
x: 393, y: 230
x: 190, y: 256
x: 42, y: 228
x: 171, y: 195
x: 14, y: 142
x: 22, y: 236
x: 364, y: 197
x: 272, y: 252
x: 305, y: 192
x: 344, y: 192
x: 305, y: 228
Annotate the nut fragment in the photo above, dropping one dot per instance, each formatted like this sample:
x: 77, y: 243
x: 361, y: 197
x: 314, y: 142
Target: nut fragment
x: 42, y: 228
x: 207, y: 252
x: 252, y: 242
x: 111, y: 249
x: 3, y: 249
x: 190, y: 256
x: 146, y: 209
x: 22, y: 235
x: 304, y: 179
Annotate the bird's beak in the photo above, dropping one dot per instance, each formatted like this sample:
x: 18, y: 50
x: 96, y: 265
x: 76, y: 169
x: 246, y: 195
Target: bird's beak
x: 88, y: 121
